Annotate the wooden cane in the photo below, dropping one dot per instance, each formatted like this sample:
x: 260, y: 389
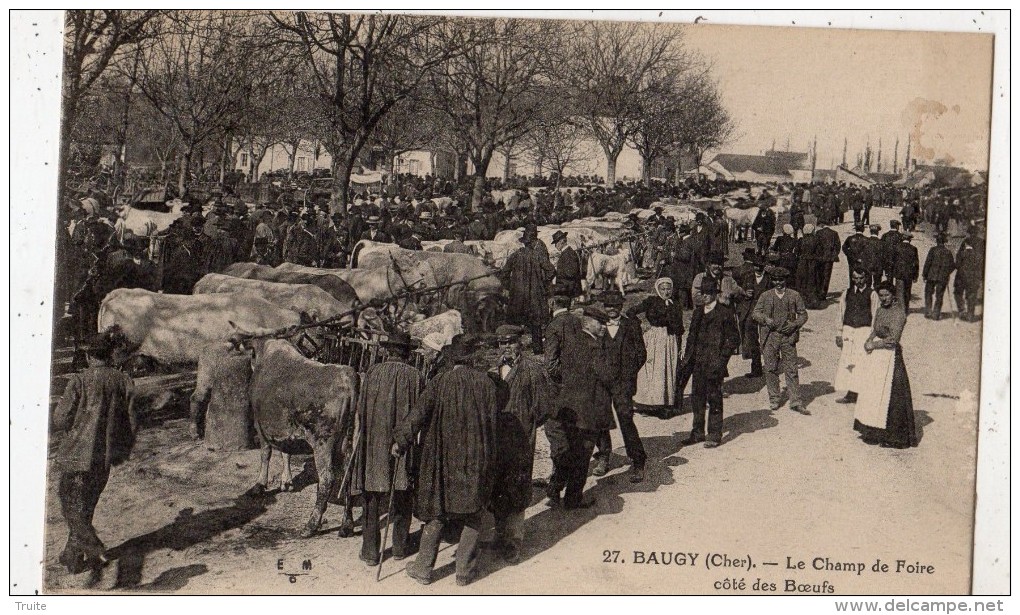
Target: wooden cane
x: 389, y: 517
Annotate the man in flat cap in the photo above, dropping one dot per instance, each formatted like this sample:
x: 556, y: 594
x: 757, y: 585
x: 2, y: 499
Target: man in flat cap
x: 583, y: 410
x: 712, y: 340
x: 780, y: 313
x: 526, y: 400
x: 625, y: 352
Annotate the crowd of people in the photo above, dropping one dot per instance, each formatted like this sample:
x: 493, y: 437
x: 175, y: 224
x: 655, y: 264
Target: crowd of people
x: 456, y: 441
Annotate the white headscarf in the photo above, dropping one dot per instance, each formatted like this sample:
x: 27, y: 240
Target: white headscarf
x: 658, y: 290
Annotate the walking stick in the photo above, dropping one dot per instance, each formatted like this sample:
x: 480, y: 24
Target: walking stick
x: 347, y: 473
x: 389, y: 516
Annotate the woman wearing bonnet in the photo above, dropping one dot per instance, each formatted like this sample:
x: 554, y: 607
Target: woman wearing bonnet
x: 656, y: 382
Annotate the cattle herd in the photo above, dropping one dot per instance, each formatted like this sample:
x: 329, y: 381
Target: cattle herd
x: 161, y: 280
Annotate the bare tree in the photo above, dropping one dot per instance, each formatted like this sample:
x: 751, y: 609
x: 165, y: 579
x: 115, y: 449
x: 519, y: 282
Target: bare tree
x: 412, y: 124
x: 362, y: 66
x: 492, y: 93
x: 674, y: 108
x: 610, y: 66
x: 200, y: 74
x: 93, y: 38
x: 559, y: 144
x: 707, y: 125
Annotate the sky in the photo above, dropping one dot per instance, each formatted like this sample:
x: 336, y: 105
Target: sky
x: 796, y: 83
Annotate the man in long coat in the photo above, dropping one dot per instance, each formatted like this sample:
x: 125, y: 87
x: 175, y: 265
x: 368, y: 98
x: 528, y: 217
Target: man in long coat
x: 526, y: 402
x: 969, y: 276
x: 563, y: 326
x: 905, y: 269
x: 583, y: 410
x: 853, y: 249
x: 527, y: 275
x: 764, y: 226
x: 389, y: 391
x: 455, y: 416
x: 871, y: 256
x: 805, y: 276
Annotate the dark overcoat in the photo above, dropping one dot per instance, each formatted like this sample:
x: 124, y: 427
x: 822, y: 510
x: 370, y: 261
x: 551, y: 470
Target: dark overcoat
x: 712, y: 340
x: 585, y: 398
x: 97, y: 415
x: 455, y: 415
x: 527, y: 276
x: 529, y: 398
x: 389, y: 391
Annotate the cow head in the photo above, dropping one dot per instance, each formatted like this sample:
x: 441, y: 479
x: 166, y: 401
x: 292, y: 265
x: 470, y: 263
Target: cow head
x: 247, y: 342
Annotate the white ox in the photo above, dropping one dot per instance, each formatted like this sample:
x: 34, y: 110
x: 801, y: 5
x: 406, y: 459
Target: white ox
x: 742, y: 219
x: 504, y: 197
x: 448, y: 324
x: 448, y: 268
x: 617, y: 269
x: 144, y: 223
x: 173, y: 329
x: 375, y: 283
x: 311, y: 300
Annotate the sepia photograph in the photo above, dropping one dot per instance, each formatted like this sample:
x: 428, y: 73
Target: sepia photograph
x: 513, y: 303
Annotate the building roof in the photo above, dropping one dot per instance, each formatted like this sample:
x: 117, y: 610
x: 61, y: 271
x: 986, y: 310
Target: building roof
x: 773, y: 163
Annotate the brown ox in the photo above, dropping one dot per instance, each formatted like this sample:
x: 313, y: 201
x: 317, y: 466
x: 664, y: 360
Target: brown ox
x: 303, y: 407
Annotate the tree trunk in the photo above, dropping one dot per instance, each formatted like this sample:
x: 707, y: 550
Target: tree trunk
x: 182, y: 178
x: 610, y: 171
x: 646, y: 171
x: 506, y: 166
x: 481, y: 164
x: 343, y: 165
x: 224, y: 159
x: 460, y: 172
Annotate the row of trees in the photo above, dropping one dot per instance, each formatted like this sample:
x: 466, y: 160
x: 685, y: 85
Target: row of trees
x: 194, y: 87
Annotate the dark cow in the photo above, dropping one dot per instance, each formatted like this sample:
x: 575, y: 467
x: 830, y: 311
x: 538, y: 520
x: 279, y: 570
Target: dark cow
x: 339, y: 289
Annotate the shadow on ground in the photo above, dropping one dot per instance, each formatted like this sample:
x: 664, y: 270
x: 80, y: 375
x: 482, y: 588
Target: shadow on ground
x: 187, y: 530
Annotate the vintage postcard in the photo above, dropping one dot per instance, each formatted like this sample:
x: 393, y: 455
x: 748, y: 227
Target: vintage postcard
x: 386, y: 303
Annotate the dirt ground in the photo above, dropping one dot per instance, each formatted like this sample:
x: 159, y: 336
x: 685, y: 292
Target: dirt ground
x: 783, y: 489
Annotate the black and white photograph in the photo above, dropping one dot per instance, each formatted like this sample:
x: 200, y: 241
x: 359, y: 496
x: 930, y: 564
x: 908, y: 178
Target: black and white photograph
x: 520, y: 303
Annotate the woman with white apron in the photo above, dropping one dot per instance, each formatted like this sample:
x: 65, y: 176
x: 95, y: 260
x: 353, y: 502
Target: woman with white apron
x: 656, y: 382
x: 856, y: 311
x: 884, y: 413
